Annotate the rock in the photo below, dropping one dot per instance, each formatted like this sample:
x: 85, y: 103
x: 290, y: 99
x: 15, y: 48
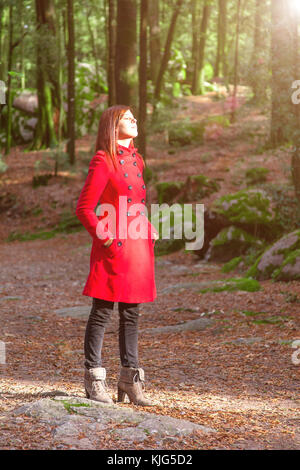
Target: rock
x: 197, y: 187
x: 229, y: 243
x: 186, y: 133
x: 82, y: 311
x: 167, y: 191
x: 191, y: 325
x: 213, y: 224
x: 281, y: 261
x: 249, y: 209
x: 12, y: 297
x: 92, y: 416
x: 246, y: 340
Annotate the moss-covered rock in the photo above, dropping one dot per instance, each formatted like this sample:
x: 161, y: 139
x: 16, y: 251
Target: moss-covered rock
x: 232, y: 264
x: 167, y: 191
x: 245, y: 207
x: 249, y: 209
x: 256, y: 175
x: 229, y: 242
x: 174, y: 226
x: 186, y: 133
x: 280, y: 261
x: 233, y: 284
x: 197, y: 187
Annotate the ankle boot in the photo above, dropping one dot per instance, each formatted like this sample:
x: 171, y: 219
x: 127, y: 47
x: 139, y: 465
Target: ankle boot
x: 131, y: 383
x: 95, y: 385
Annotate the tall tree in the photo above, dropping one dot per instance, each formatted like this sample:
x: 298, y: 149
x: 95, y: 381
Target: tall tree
x: 258, y: 64
x: 236, y: 62
x: 9, y: 94
x: 154, y: 42
x: 111, y: 33
x: 199, y: 63
x: 46, y: 74
x: 71, y: 84
x: 143, y: 76
x: 167, y: 51
x: 282, y: 73
x: 126, y: 53
x: 221, y: 59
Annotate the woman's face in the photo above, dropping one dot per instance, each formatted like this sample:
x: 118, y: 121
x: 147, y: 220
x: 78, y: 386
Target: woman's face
x: 127, y: 128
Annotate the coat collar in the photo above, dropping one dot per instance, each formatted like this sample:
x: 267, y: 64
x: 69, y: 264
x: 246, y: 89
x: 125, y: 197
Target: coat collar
x: 126, y: 151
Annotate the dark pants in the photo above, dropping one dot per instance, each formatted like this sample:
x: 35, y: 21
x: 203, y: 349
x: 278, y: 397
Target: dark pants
x: 128, y: 332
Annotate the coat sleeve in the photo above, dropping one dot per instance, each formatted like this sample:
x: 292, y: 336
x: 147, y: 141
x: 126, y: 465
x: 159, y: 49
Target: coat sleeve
x: 96, y: 181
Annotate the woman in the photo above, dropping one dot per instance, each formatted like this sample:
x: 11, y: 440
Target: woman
x: 121, y: 263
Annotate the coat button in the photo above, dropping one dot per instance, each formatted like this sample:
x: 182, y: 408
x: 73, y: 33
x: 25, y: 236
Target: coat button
x: 120, y: 152
x: 119, y: 243
x: 126, y: 175
x: 143, y: 201
x: 133, y: 154
x: 128, y: 213
x: 130, y: 187
x: 129, y: 199
x: 135, y: 163
x: 144, y: 187
x: 142, y: 213
x: 139, y: 175
x: 122, y: 162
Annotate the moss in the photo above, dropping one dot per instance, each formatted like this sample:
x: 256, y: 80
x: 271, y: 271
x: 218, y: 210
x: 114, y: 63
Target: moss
x: 256, y: 175
x: 186, y: 133
x: 233, y: 284
x: 68, y: 406
x: 69, y: 223
x: 232, y: 264
x: 245, y: 206
x: 166, y: 191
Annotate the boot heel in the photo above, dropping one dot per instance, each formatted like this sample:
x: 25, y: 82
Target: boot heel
x: 121, y: 395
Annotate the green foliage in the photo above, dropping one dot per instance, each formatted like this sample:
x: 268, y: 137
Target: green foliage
x: 3, y: 165
x: 233, y: 284
x: 256, y: 175
x: 57, y: 160
x: 166, y: 191
x: 185, y: 132
x: 68, y: 223
x: 232, y: 264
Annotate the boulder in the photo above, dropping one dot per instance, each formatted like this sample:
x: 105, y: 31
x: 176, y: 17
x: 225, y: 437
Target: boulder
x: 230, y: 242
x: 280, y: 261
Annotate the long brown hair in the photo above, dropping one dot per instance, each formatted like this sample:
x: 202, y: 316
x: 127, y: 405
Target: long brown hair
x: 107, y: 132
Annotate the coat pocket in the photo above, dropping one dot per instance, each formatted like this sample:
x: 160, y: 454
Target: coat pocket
x: 113, y: 249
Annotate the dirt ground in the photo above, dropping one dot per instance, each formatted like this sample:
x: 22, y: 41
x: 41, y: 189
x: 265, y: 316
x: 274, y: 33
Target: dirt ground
x: 237, y: 376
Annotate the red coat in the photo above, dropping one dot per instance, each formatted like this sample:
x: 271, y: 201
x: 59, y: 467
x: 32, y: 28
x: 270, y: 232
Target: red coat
x: 124, y: 271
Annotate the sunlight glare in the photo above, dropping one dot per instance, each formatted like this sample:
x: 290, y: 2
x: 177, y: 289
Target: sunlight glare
x: 295, y: 5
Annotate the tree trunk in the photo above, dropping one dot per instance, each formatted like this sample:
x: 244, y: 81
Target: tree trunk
x: 282, y: 71
x: 94, y: 48
x: 112, y: 99
x: 71, y: 84
x: 154, y: 41
x: 126, y: 64
x: 46, y: 72
x: 221, y: 60
x: 167, y: 51
x: 143, y: 77
x: 197, y: 87
x: 236, y: 64
x: 295, y: 161
x: 9, y: 94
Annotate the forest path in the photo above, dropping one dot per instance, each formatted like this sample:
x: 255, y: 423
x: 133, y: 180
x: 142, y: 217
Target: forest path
x: 237, y: 376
